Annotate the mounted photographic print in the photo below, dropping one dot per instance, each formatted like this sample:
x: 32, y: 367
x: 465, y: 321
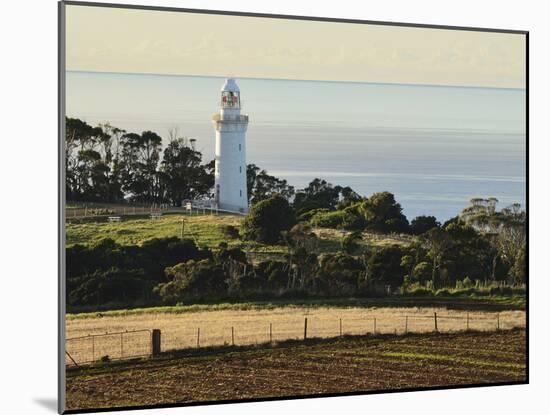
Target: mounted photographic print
x: 260, y: 207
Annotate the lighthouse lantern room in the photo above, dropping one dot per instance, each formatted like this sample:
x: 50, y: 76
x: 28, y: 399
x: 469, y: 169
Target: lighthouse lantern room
x: 230, y: 171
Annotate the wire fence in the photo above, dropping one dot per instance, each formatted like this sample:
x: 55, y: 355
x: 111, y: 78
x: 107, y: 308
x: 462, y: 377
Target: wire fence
x: 77, y: 211
x: 108, y: 346
x: 140, y: 343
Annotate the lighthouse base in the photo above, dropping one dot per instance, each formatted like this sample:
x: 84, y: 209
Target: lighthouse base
x: 233, y: 208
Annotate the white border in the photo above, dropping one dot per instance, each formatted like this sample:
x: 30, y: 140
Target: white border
x: 28, y: 209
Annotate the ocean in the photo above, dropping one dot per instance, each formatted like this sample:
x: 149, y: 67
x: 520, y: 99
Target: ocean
x: 434, y: 147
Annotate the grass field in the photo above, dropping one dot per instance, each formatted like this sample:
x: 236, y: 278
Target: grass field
x: 180, y: 330
x: 206, y: 230
x: 356, y: 364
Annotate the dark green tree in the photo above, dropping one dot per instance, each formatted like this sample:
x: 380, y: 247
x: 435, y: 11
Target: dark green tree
x: 383, y: 213
x: 262, y: 186
x: 193, y: 280
x: 268, y: 219
x: 182, y: 176
x: 422, y: 224
x: 384, y: 266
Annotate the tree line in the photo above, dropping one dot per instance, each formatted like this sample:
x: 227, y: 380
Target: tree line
x: 480, y: 247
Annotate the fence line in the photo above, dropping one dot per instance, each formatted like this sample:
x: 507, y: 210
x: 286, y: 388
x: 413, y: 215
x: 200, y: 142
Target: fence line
x: 145, y: 342
x: 109, y: 346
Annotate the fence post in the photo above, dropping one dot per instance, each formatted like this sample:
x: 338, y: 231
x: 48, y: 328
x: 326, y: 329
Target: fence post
x: 199, y: 337
x: 340, y: 327
x: 232, y: 336
x: 93, y: 348
x: 498, y: 321
x: 121, y: 345
x: 270, y: 333
x: 155, y: 343
x: 435, y: 321
x: 374, y: 323
x: 305, y: 328
x: 406, y: 324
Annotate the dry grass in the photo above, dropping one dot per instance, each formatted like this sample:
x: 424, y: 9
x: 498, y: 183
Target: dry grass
x: 252, y: 326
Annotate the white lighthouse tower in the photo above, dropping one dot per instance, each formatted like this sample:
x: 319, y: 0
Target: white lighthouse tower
x: 230, y: 173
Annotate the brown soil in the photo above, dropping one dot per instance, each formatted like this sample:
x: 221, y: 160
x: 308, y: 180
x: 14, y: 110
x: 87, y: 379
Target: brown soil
x: 355, y: 364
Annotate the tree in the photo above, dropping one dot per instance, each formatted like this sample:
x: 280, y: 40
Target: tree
x: 505, y: 229
x: 436, y: 241
x: 262, y: 186
x: 351, y: 242
x: 182, y: 176
x: 319, y: 194
x: 141, y: 154
x: 470, y: 255
x: 338, y: 274
x: 113, y: 285
x: 193, y: 280
x: 384, y: 266
x: 268, y: 219
x: 422, y: 224
x: 301, y: 243
x: 383, y: 213
x: 235, y: 265
x: 422, y: 272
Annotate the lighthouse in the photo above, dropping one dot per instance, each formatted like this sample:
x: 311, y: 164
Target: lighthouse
x: 230, y: 170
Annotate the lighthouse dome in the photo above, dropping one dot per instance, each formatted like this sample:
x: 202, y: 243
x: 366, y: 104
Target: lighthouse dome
x: 230, y: 86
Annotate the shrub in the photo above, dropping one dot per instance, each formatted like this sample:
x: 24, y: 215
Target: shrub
x: 268, y: 219
x: 230, y: 231
x: 422, y: 224
x: 384, y: 266
x: 419, y: 292
x: 339, y: 274
x: 304, y: 217
x: 339, y: 219
x: 193, y: 280
x: 422, y: 272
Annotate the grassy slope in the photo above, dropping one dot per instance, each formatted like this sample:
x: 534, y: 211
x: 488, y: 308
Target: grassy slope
x: 205, y: 229
x: 304, y: 368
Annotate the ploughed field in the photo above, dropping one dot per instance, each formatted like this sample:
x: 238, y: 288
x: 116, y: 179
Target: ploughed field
x: 348, y: 364
x: 256, y: 326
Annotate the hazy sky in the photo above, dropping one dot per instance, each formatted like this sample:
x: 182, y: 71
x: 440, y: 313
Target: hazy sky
x: 144, y: 41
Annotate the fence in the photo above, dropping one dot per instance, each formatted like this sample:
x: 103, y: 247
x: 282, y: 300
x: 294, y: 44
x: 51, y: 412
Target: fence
x: 111, y: 346
x: 142, y: 343
x: 91, y: 210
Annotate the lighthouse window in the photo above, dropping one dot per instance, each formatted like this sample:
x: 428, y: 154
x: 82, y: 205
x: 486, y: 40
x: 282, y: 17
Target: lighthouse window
x: 240, y: 169
x: 239, y: 147
x: 241, y: 193
x: 230, y: 99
